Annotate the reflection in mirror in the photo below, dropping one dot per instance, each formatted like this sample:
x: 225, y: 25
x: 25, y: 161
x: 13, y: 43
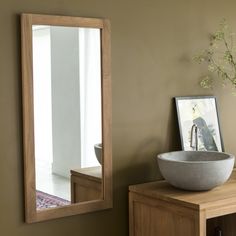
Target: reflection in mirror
x: 67, y: 114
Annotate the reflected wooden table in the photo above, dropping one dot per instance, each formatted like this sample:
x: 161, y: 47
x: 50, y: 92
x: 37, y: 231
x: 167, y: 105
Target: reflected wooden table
x: 86, y: 184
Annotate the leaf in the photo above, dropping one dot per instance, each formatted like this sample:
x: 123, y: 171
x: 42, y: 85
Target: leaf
x: 211, y: 68
x: 219, y: 57
x: 206, y: 82
x: 219, y: 35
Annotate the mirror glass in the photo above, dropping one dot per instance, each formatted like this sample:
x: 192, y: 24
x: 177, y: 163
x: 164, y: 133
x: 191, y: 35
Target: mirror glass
x: 67, y: 115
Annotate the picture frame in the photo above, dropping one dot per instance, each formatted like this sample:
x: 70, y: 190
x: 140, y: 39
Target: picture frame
x: 199, y: 125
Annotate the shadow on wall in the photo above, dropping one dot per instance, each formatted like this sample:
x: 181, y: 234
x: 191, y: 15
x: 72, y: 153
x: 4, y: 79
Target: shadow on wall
x: 142, y: 165
x: 172, y: 137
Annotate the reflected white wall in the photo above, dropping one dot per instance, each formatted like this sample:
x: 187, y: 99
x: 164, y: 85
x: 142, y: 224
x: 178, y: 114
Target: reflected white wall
x: 67, y: 97
x: 42, y: 94
x: 90, y: 90
x: 65, y: 100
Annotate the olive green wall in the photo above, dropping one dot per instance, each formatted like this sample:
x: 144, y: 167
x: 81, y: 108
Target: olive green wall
x: 152, y: 45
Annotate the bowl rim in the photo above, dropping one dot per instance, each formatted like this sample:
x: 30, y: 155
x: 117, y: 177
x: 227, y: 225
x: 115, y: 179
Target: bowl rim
x: 228, y: 157
x: 98, y: 145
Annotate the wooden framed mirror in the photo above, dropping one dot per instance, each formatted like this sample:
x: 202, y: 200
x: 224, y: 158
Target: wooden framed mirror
x: 66, y: 83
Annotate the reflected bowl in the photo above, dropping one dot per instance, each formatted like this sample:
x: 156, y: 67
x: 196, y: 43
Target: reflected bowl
x: 98, y: 152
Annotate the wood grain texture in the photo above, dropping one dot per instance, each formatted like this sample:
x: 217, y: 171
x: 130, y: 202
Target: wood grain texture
x: 27, y: 20
x: 157, y: 208
x: 223, y: 197
x: 73, y: 21
x: 28, y: 118
x: 154, y: 217
x: 106, y: 112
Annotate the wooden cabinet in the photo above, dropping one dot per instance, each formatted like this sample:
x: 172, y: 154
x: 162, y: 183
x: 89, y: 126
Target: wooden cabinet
x: 86, y: 184
x: 158, y: 209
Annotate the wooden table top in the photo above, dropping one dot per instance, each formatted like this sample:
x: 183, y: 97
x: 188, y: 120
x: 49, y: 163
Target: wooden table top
x: 221, y: 197
x: 93, y: 173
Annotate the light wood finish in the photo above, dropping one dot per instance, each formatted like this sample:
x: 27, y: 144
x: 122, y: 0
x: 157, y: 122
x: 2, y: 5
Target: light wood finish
x: 154, y: 217
x: 86, y: 184
x: 31, y: 214
x: 28, y: 114
x: 73, y: 21
x: 189, y: 213
x: 106, y: 113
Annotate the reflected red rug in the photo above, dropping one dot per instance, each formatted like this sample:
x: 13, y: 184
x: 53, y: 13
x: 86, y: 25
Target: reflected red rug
x: 45, y: 200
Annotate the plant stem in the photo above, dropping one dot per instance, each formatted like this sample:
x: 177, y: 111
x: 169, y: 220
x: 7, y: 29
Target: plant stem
x: 219, y: 69
x: 231, y: 56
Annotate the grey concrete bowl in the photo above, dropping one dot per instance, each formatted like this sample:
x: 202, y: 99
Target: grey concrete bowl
x: 98, y: 152
x: 196, y: 170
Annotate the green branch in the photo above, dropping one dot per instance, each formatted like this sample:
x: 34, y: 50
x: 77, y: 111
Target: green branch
x: 224, y: 65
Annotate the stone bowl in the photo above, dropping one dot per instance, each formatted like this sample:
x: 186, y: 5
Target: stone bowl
x: 196, y: 170
x: 98, y: 152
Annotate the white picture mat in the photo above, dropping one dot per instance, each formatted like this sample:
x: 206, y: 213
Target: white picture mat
x: 189, y: 109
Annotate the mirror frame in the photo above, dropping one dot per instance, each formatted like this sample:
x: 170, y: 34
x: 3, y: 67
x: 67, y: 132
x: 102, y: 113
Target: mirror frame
x: 31, y: 213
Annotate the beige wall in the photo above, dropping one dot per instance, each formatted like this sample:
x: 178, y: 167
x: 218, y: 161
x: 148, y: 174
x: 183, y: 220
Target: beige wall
x: 152, y: 45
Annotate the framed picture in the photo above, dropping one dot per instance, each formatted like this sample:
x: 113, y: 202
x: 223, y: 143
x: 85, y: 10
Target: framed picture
x: 199, y: 123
